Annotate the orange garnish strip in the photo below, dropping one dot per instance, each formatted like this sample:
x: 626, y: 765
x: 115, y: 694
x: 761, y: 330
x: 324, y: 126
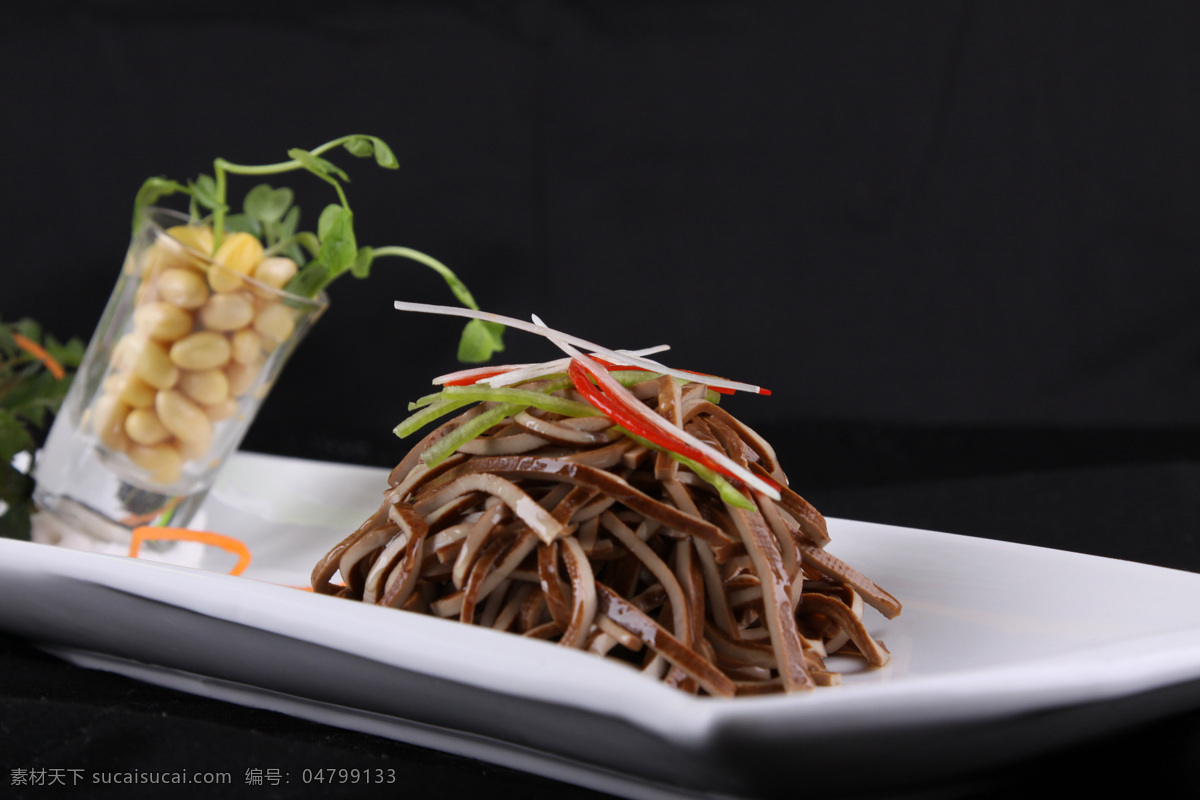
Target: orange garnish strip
x: 37, y: 351
x: 226, y: 543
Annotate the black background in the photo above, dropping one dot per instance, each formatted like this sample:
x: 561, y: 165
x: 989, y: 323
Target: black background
x: 920, y: 214
x: 960, y: 241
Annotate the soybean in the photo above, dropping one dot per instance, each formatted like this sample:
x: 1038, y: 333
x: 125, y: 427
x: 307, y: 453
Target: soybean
x: 194, y: 449
x: 153, y: 365
x: 227, y: 312
x: 241, y: 377
x: 247, y: 346
x: 162, y: 461
x: 201, y: 350
x: 162, y: 321
x: 239, y: 254
x: 197, y: 237
x: 108, y: 421
x: 223, y: 410
x: 275, y: 323
x: 130, y: 389
x: 183, y: 418
x: 206, y: 387
x: 183, y: 288
x: 143, y: 426
x: 275, y: 272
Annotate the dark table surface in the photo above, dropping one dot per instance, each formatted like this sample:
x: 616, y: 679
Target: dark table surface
x: 1128, y: 494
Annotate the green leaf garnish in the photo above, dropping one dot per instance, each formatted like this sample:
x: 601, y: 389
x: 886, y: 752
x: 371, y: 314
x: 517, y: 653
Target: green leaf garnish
x: 35, y: 373
x: 479, y: 342
x: 362, y: 262
x: 384, y: 156
x: 332, y: 222
x: 365, y: 146
x: 360, y: 146
x: 329, y: 252
x: 266, y: 204
x: 235, y: 223
x: 205, y: 192
x: 317, y: 165
x: 150, y: 193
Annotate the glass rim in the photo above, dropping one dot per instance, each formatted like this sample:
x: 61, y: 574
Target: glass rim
x: 149, y: 217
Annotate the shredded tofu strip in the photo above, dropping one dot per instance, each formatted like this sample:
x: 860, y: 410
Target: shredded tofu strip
x: 567, y: 529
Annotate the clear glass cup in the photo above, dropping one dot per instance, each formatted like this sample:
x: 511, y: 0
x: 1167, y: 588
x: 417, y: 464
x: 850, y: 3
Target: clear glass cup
x: 183, y: 357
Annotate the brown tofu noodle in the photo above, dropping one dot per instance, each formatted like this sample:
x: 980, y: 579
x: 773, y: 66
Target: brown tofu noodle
x: 568, y: 531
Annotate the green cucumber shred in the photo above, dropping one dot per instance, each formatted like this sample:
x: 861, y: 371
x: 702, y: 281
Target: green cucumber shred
x: 445, y: 447
x: 542, y: 400
x: 513, y: 400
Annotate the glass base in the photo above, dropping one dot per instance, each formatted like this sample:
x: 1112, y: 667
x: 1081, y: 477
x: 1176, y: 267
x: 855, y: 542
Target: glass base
x: 86, y: 493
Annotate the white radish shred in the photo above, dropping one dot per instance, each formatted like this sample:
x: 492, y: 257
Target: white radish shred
x: 626, y: 357
x: 528, y: 372
x: 508, y: 374
x: 531, y: 371
x: 475, y: 373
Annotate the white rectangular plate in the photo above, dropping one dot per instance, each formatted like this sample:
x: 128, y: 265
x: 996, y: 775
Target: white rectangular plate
x: 1002, y: 651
